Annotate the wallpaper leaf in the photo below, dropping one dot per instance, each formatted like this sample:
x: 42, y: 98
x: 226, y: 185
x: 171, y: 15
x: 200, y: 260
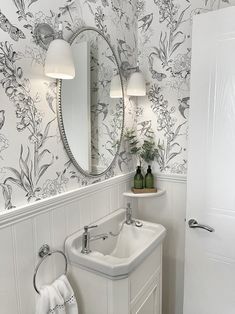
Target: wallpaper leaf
x: 2, y: 118
x: 165, y: 51
x: 34, y: 164
x: 7, y: 192
x: 14, y: 32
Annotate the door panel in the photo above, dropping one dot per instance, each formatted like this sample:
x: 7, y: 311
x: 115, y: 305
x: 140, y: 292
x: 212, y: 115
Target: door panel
x: 210, y: 257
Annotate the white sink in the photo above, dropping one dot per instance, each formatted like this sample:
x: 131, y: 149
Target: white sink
x: 115, y: 256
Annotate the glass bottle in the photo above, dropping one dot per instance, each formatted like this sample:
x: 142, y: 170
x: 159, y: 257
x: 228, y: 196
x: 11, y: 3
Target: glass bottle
x: 138, y: 179
x: 149, y: 179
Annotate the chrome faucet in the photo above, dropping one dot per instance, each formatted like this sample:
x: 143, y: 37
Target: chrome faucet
x: 129, y: 219
x: 86, y: 238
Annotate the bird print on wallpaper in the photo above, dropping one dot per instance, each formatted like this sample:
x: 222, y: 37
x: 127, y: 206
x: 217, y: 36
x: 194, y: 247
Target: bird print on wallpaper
x: 31, y: 2
x: 67, y: 8
x: 145, y: 128
x: 146, y: 21
x: 122, y: 49
x: 102, y: 109
x: 183, y: 106
x: 14, y: 32
x: 2, y: 118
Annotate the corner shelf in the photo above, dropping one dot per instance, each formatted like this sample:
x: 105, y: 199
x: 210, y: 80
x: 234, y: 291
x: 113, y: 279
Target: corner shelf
x: 144, y: 195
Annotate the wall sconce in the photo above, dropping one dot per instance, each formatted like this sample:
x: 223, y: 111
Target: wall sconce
x: 136, y: 85
x: 59, y: 62
x: 116, y: 86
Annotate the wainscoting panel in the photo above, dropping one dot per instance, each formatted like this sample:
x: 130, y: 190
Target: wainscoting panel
x: 169, y: 210
x: 23, y: 231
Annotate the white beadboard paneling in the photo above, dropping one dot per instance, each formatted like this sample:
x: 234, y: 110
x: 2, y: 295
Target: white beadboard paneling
x: 43, y: 234
x: 114, y: 198
x: 59, y: 233
x: 169, y: 210
x: 51, y: 221
x: 85, y: 211
x: 24, y: 212
x: 179, y: 203
x: 57, y: 218
x: 8, y: 291
x: 122, y: 187
x: 100, y: 204
x: 59, y: 230
x: 25, y: 260
x: 156, y: 209
x: 73, y: 216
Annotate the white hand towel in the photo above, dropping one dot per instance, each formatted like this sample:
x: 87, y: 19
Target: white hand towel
x: 58, y: 298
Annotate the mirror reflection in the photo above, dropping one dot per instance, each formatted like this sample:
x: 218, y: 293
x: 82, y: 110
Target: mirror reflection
x: 91, y: 122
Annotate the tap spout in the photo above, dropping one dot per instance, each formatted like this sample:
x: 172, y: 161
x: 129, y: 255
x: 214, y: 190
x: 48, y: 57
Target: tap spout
x: 103, y: 236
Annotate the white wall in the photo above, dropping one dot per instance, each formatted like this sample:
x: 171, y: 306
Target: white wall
x: 50, y: 221
x: 170, y: 211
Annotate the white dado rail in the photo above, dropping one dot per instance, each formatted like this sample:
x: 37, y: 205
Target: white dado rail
x: 177, y: 178
x: 30, y: 210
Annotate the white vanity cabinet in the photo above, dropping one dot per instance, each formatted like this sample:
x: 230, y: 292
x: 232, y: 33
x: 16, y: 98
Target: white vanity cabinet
x: 139, y: 292
x: 122, y: 273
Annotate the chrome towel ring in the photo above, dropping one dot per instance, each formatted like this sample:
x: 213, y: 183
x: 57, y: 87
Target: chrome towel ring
x: 45, y: 252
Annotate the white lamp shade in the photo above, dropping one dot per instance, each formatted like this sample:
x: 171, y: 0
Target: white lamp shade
x: 136, y: 85
x: 116, y: 87
x: 59, y: 60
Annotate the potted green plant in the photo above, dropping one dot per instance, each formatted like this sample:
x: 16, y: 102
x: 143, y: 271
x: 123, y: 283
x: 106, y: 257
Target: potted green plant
x: 144, y: 150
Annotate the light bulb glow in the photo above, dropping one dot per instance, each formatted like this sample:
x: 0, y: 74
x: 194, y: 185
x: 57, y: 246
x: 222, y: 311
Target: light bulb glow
x: 116, y: 87
x: 136, y: 85
x: 59, y: 62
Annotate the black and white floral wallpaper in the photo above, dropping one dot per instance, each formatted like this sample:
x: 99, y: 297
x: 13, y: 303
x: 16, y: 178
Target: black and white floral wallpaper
x: 33, y: 162
x: 164, y: 28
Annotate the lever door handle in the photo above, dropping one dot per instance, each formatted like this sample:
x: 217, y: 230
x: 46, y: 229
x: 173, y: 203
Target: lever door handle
x: 194, y: 224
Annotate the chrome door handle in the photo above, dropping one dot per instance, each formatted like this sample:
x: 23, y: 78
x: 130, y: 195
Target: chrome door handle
x: 194, y: 224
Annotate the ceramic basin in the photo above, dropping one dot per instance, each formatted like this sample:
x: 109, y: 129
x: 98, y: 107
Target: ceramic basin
x: 115, y: 256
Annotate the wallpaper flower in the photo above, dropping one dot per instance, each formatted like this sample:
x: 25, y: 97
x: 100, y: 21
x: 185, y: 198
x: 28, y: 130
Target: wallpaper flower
x: 33, y: 162
x: 165, y: 57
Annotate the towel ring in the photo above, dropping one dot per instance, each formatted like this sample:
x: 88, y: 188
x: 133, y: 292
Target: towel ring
x: 45, y: 252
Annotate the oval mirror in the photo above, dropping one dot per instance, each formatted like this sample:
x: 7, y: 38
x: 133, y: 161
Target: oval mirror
x: 90, y: 121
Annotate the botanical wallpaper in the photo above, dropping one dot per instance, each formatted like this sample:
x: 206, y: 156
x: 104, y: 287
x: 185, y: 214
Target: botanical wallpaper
x: 33, y: 162
x: 164, y: 28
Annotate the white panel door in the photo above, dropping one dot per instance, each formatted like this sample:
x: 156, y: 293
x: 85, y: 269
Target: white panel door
x: 210, y: 256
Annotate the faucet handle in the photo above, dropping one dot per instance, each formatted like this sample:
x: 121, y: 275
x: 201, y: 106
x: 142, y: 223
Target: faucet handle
x: 86, y: 228
x: 128, y: 208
